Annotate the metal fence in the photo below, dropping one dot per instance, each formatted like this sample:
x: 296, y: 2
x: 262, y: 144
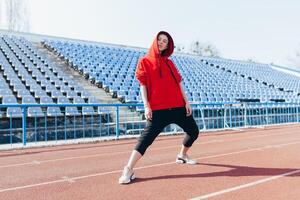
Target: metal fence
x: 79, y: 122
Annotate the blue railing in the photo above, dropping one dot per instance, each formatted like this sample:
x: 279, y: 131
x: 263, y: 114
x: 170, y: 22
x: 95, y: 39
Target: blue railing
x: 118, y: 120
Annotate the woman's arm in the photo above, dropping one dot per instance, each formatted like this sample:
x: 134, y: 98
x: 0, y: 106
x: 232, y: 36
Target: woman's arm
x: 148, y: 111
x: 187, y: 104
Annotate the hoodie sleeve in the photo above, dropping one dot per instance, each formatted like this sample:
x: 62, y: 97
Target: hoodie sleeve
x: 140, y: 73
x: 175, y: 71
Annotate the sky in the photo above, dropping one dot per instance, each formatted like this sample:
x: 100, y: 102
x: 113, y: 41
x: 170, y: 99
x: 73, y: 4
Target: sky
x: 262, y: 30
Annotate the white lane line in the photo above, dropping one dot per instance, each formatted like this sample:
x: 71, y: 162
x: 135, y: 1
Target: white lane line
x: 251, y: 184
x: 125, y: 152
x: 137, y: 168
x: 32, y: 185
x: 96, y: 155
x: 36, y: 162
x: 68, y: 179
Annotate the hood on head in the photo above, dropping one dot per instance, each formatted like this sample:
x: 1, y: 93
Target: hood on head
x: 154, y: 52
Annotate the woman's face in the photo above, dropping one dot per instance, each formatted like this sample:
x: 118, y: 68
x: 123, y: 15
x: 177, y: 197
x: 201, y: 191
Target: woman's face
x: 162, y: 42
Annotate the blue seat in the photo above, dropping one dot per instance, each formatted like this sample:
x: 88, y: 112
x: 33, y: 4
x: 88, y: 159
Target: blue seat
x: 30, y: 82
x: 50, y: 88
x: 93, y: 100
x: 78, y: 88
x: 63, y: 100
x: 32, y: 111
x: 14, y: 112
x: 35, y: 112
x: 78, y: 100
x: 28, y: 99
x: 88, y: 110
x: 51, y: 111
x: 69, y: 110
x: 34, y: 88
x: 39, y: 93
x: 130, y: 99
x: 9, y: 100
x: 54, y: 112
x: 65, y: 89
x: 3, y: 85
x: 15, y: 81
x: 22, y: 93
x: 19, y: 87
x: 5, y: 92
x: 56, y: 94
x: 72, y: 111
x: 71, y: 94
x: 85, y: 94
x: 44, y: 82
x: 59, y: 84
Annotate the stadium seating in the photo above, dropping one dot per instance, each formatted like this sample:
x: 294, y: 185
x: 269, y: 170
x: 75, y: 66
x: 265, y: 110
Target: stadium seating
x: 28, y: 77
x: 205, y: 79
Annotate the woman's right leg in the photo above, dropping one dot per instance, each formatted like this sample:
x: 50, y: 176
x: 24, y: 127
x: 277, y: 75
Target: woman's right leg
x: 151, y: 131
x: 134, y: 158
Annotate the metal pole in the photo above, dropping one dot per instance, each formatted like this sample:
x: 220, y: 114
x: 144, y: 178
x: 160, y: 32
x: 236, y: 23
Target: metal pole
x: 118, y: 123
x: 24, y: 125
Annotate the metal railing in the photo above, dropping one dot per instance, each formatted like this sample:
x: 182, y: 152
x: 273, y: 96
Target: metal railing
x: 123, y: 120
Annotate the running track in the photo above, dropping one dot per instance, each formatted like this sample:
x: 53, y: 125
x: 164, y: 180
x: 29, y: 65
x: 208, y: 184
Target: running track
x: 249, y: 164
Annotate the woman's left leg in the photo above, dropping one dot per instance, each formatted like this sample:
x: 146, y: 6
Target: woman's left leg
x: 188, y: 124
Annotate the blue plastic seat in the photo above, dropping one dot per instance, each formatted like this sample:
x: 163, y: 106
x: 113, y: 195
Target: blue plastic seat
x: 85, y: 94
x: 22, y: 93
x: 14, y: 112
x: 54, y: 112
x: 32, y: 111
x: 34, y: 88
x: 63, y: 100
x: 50, y: 88
x: 5, y: 92
x: 56, y: 94
x: 19, y: 88
x: 72, y: 94
x: 9, y: 100
x: 39, y: 93
x: 72, y: 111
x: 28, y: 99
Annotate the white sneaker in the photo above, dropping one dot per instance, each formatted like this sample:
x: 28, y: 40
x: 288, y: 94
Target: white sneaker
x: 185, y: 160
x: 127, y: 176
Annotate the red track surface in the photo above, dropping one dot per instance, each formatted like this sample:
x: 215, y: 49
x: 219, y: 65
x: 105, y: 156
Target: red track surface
x: 249, y: 164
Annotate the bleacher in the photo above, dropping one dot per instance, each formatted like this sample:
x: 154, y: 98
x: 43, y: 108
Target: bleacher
x: 263, y: 74
x: 109, y: 67
x: 28, y: 76
x: 205, y: 79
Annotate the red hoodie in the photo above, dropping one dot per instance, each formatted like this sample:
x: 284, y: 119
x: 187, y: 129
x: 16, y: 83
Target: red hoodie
x: 154, y: 71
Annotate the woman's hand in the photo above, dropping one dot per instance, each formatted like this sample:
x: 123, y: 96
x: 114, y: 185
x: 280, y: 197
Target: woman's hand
x: 148, y: 113
x: 188, y: 109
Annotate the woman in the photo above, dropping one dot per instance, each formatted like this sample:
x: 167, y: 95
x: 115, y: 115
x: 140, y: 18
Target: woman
x: 164, y: 100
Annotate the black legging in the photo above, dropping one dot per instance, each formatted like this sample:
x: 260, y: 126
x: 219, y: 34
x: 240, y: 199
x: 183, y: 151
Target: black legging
x: 162, y: 118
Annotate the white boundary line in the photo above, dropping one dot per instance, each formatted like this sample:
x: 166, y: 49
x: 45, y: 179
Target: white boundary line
x: 35, y: 162
x: 251, y: 184
x: 70, y: 179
